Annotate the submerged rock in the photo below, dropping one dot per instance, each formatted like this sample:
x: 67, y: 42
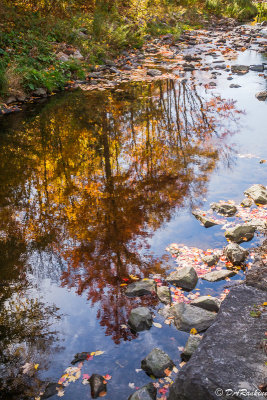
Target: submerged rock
x: 164, y: 294
x: 50, y: 390
x: 147, y: 392
x: 240, y: 233
x: 185, y: 277
x: 258, y: 68
x: 215, y: 276
x: 140, y: 319
x: 229, y: 355
x: 98, y: 387
x: 187, y: 317
x: 191, y: 346
x: 211, y: 259
x: 224, y: 208
x: 156, y: 362
x: 235, y: 253
x: 207, y: 303
x: 257, y: 192
x: 207, y: 222
x: 141, y: 288
x: 40, y: 92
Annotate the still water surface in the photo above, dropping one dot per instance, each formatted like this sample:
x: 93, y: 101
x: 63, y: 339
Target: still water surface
x: 93, y: 187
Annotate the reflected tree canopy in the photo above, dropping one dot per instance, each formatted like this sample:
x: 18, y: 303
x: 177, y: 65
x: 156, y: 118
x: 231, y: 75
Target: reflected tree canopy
x: 92, y: 175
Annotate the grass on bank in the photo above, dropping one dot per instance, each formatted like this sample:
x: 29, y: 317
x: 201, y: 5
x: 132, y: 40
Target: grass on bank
x: 30, y: 36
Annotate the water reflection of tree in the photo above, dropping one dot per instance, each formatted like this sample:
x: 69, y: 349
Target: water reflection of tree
x: 99, y: 173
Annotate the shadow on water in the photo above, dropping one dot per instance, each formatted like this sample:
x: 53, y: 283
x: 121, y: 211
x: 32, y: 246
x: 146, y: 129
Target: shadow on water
x: 86, y: 179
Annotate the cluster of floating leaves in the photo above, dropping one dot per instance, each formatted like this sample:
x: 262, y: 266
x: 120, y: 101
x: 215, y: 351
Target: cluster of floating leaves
x: 71, y: 374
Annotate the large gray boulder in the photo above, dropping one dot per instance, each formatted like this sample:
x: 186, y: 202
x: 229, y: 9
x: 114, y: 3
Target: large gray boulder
x: 141, y: 288
x: 258, y: 193
x: 140, y: 319
x: 156, y: 362
x: 164, y: 294
x: 201, y: 216
x: 207, y: 303
x: 191, y: 346
x: 215, y: 276
x: 235, y: 253
x: 240, y: 233
x: 229, y: 356
x: 224, y: 209
x: 185, y: 277
x: 187, y: 317
x: 147, y: 392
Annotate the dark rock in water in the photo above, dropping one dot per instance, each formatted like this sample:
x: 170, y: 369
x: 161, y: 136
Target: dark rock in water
x: 240, y: 68
x: 140, y: 319
x: 230, y: 78
x: 235, y: 253
x: 156, y: 362
x: 224, y: 208
x: 154, y: 72
x: 258, y: 68
x: 229, y: 355
x: 240, y: 233
x: 234, y: 86
x: 185, y: 277
x: 50, y: 390
x: 187, y: 317
x: 10, y: 100
x: 257, y: 192
x: 212, y: 84
x: 147, y: 392
x: 207, y: 303
x: 141, y: 288
x: 80, y: 357
x: 262, y: 95
x: 98, y: 387
x: 207, y: 222
x: 215, y: 276
x: 211, y: 259
x: 191, y: 346
x: 164, y: 294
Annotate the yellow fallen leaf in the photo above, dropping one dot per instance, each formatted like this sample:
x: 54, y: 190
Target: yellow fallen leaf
x: 157, y: 325
x: 36, y: 366
x: 193, y: 331
x: 182, y: 364
x: 98, y: 353
x: 123, y: 284
x: 175, y: 370
x: 265, y: 303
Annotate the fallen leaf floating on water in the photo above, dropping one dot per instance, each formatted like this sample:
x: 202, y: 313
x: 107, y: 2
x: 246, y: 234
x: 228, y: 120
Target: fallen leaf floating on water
x: 193, y: 331
x: 157, y: 325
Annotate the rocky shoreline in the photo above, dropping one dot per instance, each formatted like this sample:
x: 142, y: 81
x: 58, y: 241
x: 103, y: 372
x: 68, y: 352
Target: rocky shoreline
x: 169, y: 58
x: 230, y: 358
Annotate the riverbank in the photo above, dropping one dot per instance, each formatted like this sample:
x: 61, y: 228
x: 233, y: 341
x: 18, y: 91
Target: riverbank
x: 41, y: 54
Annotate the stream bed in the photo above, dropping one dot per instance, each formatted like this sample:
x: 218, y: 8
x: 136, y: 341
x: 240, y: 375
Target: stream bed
x: 94, y: 186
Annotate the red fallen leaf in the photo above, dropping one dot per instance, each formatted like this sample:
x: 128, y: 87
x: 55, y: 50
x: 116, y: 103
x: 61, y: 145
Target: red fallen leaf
x: 107, y: 377
x: 162, y: 390
x: 89, y: 357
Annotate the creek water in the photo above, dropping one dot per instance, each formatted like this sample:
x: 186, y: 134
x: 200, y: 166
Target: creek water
x: 94, y: 187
